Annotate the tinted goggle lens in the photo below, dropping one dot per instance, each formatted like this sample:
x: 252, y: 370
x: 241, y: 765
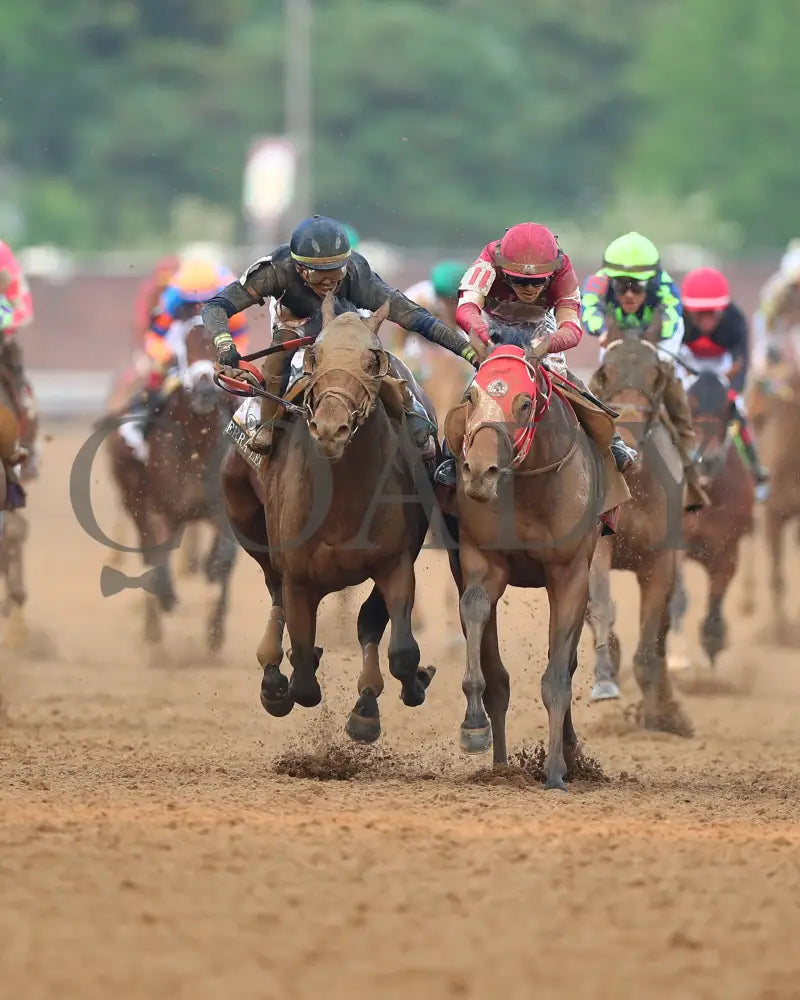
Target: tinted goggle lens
x: 622, y: 285
x: 534, y: 282
x: 314, y: 277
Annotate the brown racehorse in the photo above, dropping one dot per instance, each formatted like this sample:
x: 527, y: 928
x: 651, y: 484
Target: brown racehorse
x: 713, y: 534
x: 773, y: 402
x: 531, y: 486
x: 175, y: 487
x: 648, y: 534
x: 314, y: 526
x: 9, y: 456
x: 16, y: 523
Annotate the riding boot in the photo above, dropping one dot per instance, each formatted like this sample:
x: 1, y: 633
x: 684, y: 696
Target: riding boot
x: 624, y: 456
x: 275, y: 370
x: 748, y: 446
x: 680, y: 414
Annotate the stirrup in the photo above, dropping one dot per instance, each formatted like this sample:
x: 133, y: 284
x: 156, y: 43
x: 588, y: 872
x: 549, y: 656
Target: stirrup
x: 260, y: 441
x: 623, y: 455
x: 446, y: 473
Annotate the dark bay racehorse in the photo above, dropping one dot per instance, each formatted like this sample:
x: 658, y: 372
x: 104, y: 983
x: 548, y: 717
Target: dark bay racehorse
x: 326, y: 512
x: 175, y: 487
x: 648, y: 534
x: 531, y: 487
x: 713, y: 534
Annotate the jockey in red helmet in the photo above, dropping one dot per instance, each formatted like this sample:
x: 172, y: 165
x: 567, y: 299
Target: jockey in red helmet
x: 716, y: 338
x: 525, y: 279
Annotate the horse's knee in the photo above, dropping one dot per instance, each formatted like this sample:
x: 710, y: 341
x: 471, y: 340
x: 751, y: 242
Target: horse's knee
x: 475, y: 605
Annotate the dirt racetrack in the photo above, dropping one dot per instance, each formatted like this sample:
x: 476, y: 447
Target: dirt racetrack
x: 148, y: 848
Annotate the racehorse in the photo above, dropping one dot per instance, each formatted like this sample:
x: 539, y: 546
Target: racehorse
x: 175, y: 487
x: 16, y: 527
x: 647, y: 536
x: 713, y: 534
x: 773, y: 402
x: 311, y: 518
x: 531, y: 486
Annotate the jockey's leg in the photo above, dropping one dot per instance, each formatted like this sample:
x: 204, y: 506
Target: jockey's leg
x: 760, y: 474
x: 677, y: 405
x: 275, y: 369
x: 623, y: 455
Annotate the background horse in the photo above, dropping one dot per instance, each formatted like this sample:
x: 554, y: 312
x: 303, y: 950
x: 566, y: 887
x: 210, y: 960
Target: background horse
x: 647, y: 536
x: 530, y: 489
x: 328, y: 512
x: 175, y: 488
x: 713, y: 534
x: 16, y: 527
x: 773, y: 402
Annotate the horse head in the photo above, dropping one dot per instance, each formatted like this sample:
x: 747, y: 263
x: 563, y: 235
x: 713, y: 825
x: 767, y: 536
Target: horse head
x: 345, y: 368
x: 198, y: 375
x: 710, y: 403
x: 634, y: 383
x: 493, y: 429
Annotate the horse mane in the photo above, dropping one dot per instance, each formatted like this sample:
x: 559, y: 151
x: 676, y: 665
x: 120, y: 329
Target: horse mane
x: 313, y: 326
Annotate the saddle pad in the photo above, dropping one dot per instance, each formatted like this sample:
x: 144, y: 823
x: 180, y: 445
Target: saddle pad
x: 241, y: 425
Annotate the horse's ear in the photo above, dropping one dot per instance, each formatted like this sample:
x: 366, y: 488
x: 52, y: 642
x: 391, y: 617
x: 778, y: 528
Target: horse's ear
x: 375, y: 320
x: 455, y: 427
x: 328, y: 311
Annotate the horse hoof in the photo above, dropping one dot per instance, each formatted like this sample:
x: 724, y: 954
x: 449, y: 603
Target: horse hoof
x: 555, y: 784
x: 604, y: 691
x: 275, y: 695
x: 277, y: 707
x: 425, y: 675
x: 475, y: 741
x: 308, y: 697
x: 363, y: 729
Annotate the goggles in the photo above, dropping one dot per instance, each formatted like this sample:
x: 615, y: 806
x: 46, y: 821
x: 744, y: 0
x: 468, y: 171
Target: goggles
x: 622, y: 285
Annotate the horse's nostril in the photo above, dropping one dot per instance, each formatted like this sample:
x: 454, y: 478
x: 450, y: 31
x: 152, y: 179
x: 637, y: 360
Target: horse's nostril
x: 467, y: 467
x: 342, y: 433
x: 312, y: 426
x: 493, y: 470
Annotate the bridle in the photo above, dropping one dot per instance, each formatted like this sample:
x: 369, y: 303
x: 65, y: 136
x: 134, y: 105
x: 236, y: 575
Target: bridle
x: 358, y: 405
x: 519, y: 446
x: 648, y: 412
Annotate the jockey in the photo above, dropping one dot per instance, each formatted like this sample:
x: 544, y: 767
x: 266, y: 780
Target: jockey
x: 633, y: 290
x: 318, y: 259
x: 779, y: 310
x: 149, y: 294
x: 524, y: 278
x: 16, y: 314
x: 194, y: 283
x: 716, y: 339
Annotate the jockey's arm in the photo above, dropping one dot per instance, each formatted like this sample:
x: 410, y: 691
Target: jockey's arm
x: 6, y: 313
x: 565, y: 296
x: 259, y: 282
x: 672, y: 328
x: 737, y: 344
x: 593, y: 305
x: 370, y: 291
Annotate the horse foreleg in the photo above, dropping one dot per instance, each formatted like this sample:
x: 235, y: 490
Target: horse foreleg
x: 498, y: 689
x: 659, y: 710
x: 600, y: 616
x: 568, y: 592
x: 189, y: 551
x: 713, y: 629
x: 747, y: 606
x: 678, y: 606
x: 364, y: 722
x: 218, y: 570
x: 773, y: 531
x: 483, y: 583
x: 300, y: 606
x: 14, y: 536
x: 397, y: 584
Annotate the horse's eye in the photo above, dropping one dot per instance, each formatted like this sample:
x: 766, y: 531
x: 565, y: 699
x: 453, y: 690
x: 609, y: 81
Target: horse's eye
x: 472, y: 395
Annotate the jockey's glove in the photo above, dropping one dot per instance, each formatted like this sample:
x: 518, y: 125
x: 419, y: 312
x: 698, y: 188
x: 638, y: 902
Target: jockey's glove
x: 229, y: 356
